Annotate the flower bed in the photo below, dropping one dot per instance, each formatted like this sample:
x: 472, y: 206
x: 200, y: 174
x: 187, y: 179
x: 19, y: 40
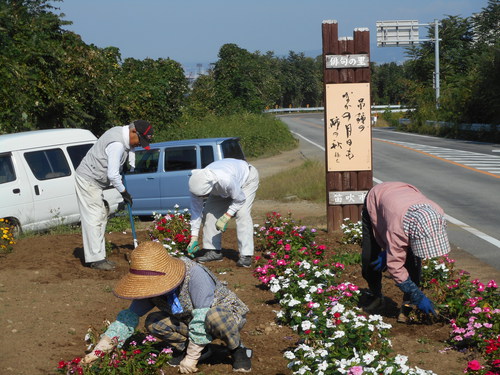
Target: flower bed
x: 336, y: 336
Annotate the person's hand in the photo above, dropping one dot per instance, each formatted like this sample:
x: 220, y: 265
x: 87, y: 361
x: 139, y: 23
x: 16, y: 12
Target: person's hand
x: 127, y: 198
x: 193, y: 246
x: 426, y: 306
x: 105, y: 345
x: 380, y: 264
x: 221, y: 223
x: 193, y: 353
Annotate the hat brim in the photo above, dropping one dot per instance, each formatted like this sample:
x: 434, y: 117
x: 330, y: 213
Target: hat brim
x: 134, y: 286
x: 143, y: 141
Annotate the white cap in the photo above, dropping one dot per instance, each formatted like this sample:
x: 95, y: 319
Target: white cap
x: 202, y: 181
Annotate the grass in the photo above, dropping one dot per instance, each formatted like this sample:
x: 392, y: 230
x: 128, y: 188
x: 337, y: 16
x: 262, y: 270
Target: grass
x: 305, y: 182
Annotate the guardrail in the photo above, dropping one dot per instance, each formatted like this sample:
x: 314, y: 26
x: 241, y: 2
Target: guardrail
x: 374, y: 109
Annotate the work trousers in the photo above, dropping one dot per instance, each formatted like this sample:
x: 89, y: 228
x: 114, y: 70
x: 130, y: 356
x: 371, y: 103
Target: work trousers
x: 94, y: 217
x: 219, y: 323
x: 370, y: 250
x: 216, y: 206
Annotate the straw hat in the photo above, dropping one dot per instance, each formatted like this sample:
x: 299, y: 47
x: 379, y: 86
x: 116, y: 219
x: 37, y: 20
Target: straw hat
x: 153, y: 272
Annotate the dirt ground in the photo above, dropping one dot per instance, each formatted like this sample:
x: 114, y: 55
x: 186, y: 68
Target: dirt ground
x: 48, y: 300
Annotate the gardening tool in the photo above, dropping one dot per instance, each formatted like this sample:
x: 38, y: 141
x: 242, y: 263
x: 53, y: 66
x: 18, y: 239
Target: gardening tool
x: 130, y: 217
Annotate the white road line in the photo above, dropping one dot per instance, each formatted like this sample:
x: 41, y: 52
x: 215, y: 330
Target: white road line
x: 308, y: 140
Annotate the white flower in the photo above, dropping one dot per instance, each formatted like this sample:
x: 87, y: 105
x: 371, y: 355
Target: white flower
x: 369, y: 358
x: 302, y: 284
x: 305, y: 265
x: 280, y: 314
x: 306, y: 324
x: 338, y: 334
x: 313, y: 289
x: 293, y: 302
x: 401, y: 359
x: 176, y: 206
x: 388, y: 370
x: 289, y: 355
x: 323, y: 366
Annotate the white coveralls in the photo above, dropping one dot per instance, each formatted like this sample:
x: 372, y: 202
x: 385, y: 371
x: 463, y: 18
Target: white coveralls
x: 235, y: 184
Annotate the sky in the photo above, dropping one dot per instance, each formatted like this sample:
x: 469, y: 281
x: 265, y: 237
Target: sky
x: 191, y: 32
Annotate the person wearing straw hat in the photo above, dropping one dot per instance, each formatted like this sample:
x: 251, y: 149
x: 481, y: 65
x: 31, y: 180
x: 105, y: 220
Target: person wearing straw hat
x: 409, y: 227
x: 99, y: 168
x: 194, y: 308
x: 230, y: 185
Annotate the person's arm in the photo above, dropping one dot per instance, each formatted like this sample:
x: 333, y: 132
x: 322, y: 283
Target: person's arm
x: 115, y: 151
x: 237, y: 195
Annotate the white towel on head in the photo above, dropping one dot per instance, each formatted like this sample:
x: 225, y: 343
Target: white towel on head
x: 202, y: 181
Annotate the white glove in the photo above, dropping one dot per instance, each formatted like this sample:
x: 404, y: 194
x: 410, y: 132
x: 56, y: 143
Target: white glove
x: 221, y: 223
x: 193, y: 353
x: 105, y: 345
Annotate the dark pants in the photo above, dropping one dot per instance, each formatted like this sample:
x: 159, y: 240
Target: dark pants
x: 370, y: 250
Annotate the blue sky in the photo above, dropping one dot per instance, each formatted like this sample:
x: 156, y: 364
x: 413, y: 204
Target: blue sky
x: 192, y: 31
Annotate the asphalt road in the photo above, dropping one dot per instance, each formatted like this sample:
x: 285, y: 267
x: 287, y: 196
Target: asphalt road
x: 461, y: 176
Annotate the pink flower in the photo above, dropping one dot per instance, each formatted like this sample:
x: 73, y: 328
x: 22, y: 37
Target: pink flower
x: 316, y: 261
x: 353, y: 287
x: 474, y: 365
x: 480, y: 287
x: 492, y: 284
x: 355, y: 370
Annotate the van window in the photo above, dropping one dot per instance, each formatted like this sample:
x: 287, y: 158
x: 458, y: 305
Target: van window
x: 207, y: 155
x: 231, y: 149
x: 7, y: 173
x: 180, y: 158
x: 48, y: 164
x: 77, y: 153
x: 146, y: 161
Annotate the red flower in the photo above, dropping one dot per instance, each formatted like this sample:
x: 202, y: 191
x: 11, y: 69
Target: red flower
x: 61, y: 364
x: 307, y: 331
x: 137, y: 351
x: 474, y: 365
x: 336, y: 315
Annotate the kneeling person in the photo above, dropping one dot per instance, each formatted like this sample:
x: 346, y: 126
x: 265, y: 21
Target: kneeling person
x: 194, y: 308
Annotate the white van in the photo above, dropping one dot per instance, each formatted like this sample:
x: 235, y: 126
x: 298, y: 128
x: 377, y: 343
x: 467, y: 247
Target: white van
x: 37, y: 177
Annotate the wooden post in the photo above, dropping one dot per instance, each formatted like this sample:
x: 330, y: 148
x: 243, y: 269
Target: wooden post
x: 345, y: 61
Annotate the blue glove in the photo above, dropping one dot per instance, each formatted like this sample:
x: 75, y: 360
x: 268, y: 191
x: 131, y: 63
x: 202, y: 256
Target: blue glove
x: 426, y: 306
x: 381, y: 263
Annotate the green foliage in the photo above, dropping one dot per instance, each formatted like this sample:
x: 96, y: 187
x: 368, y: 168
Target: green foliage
x: 120, y: 222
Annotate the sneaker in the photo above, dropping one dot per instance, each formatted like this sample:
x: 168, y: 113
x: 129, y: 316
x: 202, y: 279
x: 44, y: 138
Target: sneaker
x: 178, y: 356
x: 244, y: 261
x: 104, y: 265
x: 210, y: 256
x: 241, y: 359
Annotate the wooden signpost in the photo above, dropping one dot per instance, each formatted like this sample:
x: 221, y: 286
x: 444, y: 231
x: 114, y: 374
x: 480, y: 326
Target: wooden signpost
x: 348, y: 140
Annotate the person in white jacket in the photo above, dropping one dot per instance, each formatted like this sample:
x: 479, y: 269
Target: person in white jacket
x: 100, y: 168
x: 229, y: 187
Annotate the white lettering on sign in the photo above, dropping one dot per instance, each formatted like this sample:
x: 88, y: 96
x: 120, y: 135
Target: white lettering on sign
x: 338, y: 198
x: 347, y: 61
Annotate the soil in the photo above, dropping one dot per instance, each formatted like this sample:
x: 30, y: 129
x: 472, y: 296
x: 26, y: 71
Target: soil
x: 48, y: 299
